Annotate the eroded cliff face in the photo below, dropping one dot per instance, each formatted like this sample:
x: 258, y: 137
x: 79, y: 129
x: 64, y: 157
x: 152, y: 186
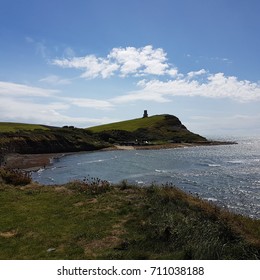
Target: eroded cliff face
x: 52, y: 141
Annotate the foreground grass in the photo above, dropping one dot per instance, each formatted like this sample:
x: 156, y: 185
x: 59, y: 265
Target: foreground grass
x: 93, y: 220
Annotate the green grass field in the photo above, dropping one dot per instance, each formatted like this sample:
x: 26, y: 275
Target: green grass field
x: 130, y: 125
x: 94, y: 220
x: 13, y: 127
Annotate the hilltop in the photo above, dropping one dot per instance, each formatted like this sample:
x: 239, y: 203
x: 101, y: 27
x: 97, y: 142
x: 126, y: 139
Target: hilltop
x: 14, y: 127
x: 158, y: 129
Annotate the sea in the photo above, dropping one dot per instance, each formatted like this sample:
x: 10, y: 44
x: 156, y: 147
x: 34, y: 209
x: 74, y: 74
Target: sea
x: 227, y: 175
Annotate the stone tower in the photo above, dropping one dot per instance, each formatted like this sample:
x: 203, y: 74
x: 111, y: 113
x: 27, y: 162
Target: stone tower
x: 145, y: 115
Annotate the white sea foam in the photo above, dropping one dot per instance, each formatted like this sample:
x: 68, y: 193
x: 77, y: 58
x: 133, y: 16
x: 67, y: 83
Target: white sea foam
x: 236, y: 161
x: 91, y: 161
x: 212, y: 199
x: 161, y: 171
x: 140, y: 182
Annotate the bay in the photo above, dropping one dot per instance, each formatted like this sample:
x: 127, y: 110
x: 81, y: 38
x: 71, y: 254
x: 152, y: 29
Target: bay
x: 227, y: 175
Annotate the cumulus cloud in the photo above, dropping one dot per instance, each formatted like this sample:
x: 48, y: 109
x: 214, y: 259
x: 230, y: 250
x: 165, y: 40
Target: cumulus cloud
x: 140, y: 61
x: 123, y: 61
x: 93, y: 67
x: 193, y: 74
x: 150, y: 62
x: 216, y: 86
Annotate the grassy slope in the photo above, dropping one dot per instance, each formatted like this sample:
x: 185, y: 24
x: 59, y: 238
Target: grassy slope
x: 97, y: 221
x: 130, y: 125
x: 13, y: 127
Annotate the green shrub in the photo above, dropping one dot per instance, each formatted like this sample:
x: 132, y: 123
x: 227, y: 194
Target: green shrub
x: 90, y: 186
x: 15, y: 177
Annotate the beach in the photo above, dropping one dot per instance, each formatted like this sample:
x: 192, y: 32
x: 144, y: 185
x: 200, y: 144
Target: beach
x: 30, y: 161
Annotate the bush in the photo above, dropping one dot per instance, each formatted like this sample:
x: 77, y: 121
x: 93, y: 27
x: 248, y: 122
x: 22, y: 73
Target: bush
x: 15, y: 177
x: 92, y: 186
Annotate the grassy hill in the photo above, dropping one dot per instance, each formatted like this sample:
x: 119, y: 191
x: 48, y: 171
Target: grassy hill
x: 130, y: 125
x: 14, y: 127
x: 155, y: 129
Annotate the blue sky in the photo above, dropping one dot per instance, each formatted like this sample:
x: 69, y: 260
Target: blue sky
x: 88, y: 62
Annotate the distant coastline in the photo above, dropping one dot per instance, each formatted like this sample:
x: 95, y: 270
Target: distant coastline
x: 28, y: 146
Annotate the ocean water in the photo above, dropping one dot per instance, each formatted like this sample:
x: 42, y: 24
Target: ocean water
x: 227, y: 175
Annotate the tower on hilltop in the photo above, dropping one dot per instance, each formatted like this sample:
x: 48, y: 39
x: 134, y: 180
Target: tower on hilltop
x: 145, y: 115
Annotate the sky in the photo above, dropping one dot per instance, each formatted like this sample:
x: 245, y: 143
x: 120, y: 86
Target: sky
x: 90, y: 62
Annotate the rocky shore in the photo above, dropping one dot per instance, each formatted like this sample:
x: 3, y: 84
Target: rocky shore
x: 30, y: 161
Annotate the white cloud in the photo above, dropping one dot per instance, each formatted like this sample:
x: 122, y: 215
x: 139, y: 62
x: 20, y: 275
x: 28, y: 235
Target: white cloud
x: 140, y: 61
x: 27, y: 110
x: 93, y: 67
x: 55, y: 80
x: 69, y: 52
x: 141, y: 96
x: 91, y: 103
x: 221, y: 86
x: 40, y: 47
x: 123, y: 61
x: 193, y: 74
x: 38, y: 105
x: 173, y: 72
x: 13, y: 109
x: 29, y: 39
x: 146, y: 61
x: 7, y: 88
x: 216, y: 86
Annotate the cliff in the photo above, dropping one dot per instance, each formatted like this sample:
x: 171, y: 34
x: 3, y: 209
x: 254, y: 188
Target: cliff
x: 51, y: 140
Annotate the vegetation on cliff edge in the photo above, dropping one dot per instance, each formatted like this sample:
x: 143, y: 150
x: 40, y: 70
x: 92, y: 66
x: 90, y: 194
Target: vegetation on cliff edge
x: 94, y: 220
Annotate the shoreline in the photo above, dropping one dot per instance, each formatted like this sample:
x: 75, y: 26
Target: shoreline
x: 33, y: 162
